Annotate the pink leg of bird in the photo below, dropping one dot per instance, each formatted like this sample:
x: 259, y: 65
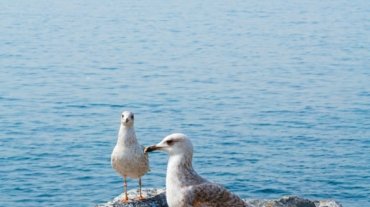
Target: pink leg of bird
x: 125, y: 199
x: 140, y: 195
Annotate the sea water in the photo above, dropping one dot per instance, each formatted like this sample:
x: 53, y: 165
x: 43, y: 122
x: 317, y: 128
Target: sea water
x: 275, y: 95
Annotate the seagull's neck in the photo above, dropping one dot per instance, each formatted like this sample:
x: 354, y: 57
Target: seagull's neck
x: 126, y: 136
x: 182, y: 162
x: 180, y: 172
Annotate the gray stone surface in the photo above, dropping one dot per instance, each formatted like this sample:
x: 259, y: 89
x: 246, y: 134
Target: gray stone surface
x: 286, y: 201
x: 157, y: 198
x: 292, y: 201
x: 327, y: 203
x: 153, y: 198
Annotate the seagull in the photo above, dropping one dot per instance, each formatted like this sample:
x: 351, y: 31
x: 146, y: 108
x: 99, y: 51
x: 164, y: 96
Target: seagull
x: 128, y: 157
x: 184, y: 187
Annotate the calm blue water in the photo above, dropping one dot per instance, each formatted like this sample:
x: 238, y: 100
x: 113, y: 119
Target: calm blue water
x: 274, y: 94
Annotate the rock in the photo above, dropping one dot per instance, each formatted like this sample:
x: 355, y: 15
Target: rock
x: 292, y: 201
x: 327, y: 203
x: 153, y: 198
x: 157, y: 198
x: 286, y: 201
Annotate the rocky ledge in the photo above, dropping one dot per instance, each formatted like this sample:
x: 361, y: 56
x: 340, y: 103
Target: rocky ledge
x: 157, y: 198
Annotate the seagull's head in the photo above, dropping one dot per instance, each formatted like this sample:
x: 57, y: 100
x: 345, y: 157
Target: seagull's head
x: 173, y: 144
x: 127, y: 118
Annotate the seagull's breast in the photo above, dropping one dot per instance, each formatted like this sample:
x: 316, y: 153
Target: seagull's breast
x: 175, y: 197
x: 131, y: 162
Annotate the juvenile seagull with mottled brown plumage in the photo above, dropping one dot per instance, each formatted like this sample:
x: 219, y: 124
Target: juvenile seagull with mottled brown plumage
x: 184, y: 187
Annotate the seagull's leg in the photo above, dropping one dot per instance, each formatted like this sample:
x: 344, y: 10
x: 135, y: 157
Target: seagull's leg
x: 125, y: 199
x: 140, y: 195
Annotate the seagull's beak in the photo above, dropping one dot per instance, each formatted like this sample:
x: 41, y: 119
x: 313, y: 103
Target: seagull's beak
x: 151, y: 148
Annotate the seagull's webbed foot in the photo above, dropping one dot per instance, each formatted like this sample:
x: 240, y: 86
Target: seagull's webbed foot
x: 124, y: 199
x: 140, y: 197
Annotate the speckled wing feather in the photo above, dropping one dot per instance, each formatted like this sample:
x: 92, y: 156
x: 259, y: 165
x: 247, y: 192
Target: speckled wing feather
x: 213, y: 195
x: 146, y: 159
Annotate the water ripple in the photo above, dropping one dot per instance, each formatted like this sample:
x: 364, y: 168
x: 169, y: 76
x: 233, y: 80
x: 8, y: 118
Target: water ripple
x: 275, y: 96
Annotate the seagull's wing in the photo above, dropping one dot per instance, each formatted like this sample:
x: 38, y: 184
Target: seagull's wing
x: 212, y: 194
x: 144, y: 160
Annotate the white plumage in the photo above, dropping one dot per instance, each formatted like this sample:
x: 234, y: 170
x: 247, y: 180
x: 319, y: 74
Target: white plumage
x: 128, y: 157
x: 184, y: 187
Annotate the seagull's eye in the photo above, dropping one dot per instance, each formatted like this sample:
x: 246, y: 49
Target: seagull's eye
x: 132, y: 116
x: 122, y: 116
x: 169, y: 142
